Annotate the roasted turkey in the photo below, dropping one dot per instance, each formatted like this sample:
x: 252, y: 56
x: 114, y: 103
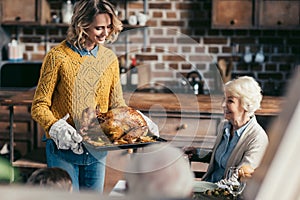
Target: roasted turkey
x: 118, y: 125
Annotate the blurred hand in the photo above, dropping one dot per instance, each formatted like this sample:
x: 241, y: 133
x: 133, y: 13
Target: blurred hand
x: 190, y: 151
x: 246, y: 171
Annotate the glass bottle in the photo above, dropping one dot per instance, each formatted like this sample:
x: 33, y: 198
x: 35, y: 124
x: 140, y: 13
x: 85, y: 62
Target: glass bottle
x: 134, y: 79
x: 248, y: 55
x: 67, y: 12
x: 259, y: 57
x: 123, y: 73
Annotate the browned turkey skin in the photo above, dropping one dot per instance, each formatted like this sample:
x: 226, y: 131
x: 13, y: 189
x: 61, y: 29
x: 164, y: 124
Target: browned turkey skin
x: 122, y: 125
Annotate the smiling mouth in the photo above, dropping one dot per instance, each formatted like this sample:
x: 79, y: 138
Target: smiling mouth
x: 101, y: 40
x: 100, y: 37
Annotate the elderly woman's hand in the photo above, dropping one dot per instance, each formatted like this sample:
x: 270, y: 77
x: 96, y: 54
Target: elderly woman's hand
x: 245, y: 172
x: 190, y: 151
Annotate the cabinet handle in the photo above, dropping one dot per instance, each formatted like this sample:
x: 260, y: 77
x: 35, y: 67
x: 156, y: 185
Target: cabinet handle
x: 18, y: 18
x: 232, y: 22
x: 279, y: 23
x: 182, y: 126
x: 14, y: 126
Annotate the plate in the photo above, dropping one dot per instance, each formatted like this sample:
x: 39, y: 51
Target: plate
x: 202, y: 186
x: 123, y: 146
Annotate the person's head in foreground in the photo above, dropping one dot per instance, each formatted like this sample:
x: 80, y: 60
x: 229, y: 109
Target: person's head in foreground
x: 159, y: 171
x: 53, y: 178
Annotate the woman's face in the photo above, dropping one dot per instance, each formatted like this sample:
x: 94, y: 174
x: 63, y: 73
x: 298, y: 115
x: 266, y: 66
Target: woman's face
x: 98, y: 30
x: 233, y: 110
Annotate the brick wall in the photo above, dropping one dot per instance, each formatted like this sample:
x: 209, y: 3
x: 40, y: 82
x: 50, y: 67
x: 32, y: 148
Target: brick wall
x: 179, y: 39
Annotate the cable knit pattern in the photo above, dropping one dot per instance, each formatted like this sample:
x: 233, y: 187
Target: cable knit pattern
x: 70, y: 83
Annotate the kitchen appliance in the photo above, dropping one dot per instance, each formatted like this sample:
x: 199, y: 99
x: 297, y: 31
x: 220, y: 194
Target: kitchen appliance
x: 196, y: 82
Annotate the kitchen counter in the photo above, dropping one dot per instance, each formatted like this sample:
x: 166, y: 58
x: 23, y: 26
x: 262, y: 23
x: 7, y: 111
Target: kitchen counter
x: 181, y: 109
x: 166, y: 102
x: 187, y: 103
x: 190, y: 117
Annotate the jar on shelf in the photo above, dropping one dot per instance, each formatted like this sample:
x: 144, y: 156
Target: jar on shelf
x: 15, y: 50
x: 134, y: 79
x: 67, y: 12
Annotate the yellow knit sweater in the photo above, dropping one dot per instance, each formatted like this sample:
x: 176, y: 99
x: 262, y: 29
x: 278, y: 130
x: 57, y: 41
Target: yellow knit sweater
x: 69, y: 83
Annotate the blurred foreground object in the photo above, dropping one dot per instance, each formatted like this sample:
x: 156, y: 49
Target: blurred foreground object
x: 53, y: 178
x: 159, y: 171
x: 279, y: 174
x: 7, y: 172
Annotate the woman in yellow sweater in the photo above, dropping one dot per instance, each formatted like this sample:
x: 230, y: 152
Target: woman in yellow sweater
x: 76, y: 74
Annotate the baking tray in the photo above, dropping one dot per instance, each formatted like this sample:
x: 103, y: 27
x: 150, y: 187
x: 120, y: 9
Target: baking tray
x: 123, y: 146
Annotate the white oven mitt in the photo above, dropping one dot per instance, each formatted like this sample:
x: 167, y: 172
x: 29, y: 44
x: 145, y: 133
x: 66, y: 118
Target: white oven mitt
x: 65, y: 136
x: 151, y: 125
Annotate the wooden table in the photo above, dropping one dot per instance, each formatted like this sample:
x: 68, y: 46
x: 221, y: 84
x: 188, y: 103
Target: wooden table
x: 13, y: 98
x: 7, y: 94
x: 211, y: 104
x: 203, y: 104
x: 181, y: 103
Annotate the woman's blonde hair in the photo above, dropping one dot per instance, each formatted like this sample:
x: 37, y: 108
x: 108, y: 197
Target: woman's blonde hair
x: 84, y: 14
x: 247, y: 90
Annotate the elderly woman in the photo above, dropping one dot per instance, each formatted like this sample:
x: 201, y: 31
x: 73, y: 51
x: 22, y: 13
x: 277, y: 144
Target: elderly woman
x: 241, y: 141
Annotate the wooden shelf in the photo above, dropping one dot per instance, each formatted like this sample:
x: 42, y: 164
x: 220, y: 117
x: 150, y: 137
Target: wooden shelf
x: 18, y: 136
x: 128, y: 27
x: 34, y: 24
x: 21, y: 117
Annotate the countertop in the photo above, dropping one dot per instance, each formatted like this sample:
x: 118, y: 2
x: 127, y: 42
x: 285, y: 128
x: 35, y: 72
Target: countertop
x: 163, y: 102
x: 204, y: 104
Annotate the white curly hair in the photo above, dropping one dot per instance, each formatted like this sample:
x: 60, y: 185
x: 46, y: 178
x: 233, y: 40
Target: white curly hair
x: 247, y: 89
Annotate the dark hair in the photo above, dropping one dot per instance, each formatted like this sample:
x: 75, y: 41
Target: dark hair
x: 54, y: 177
x: 84, y: 13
